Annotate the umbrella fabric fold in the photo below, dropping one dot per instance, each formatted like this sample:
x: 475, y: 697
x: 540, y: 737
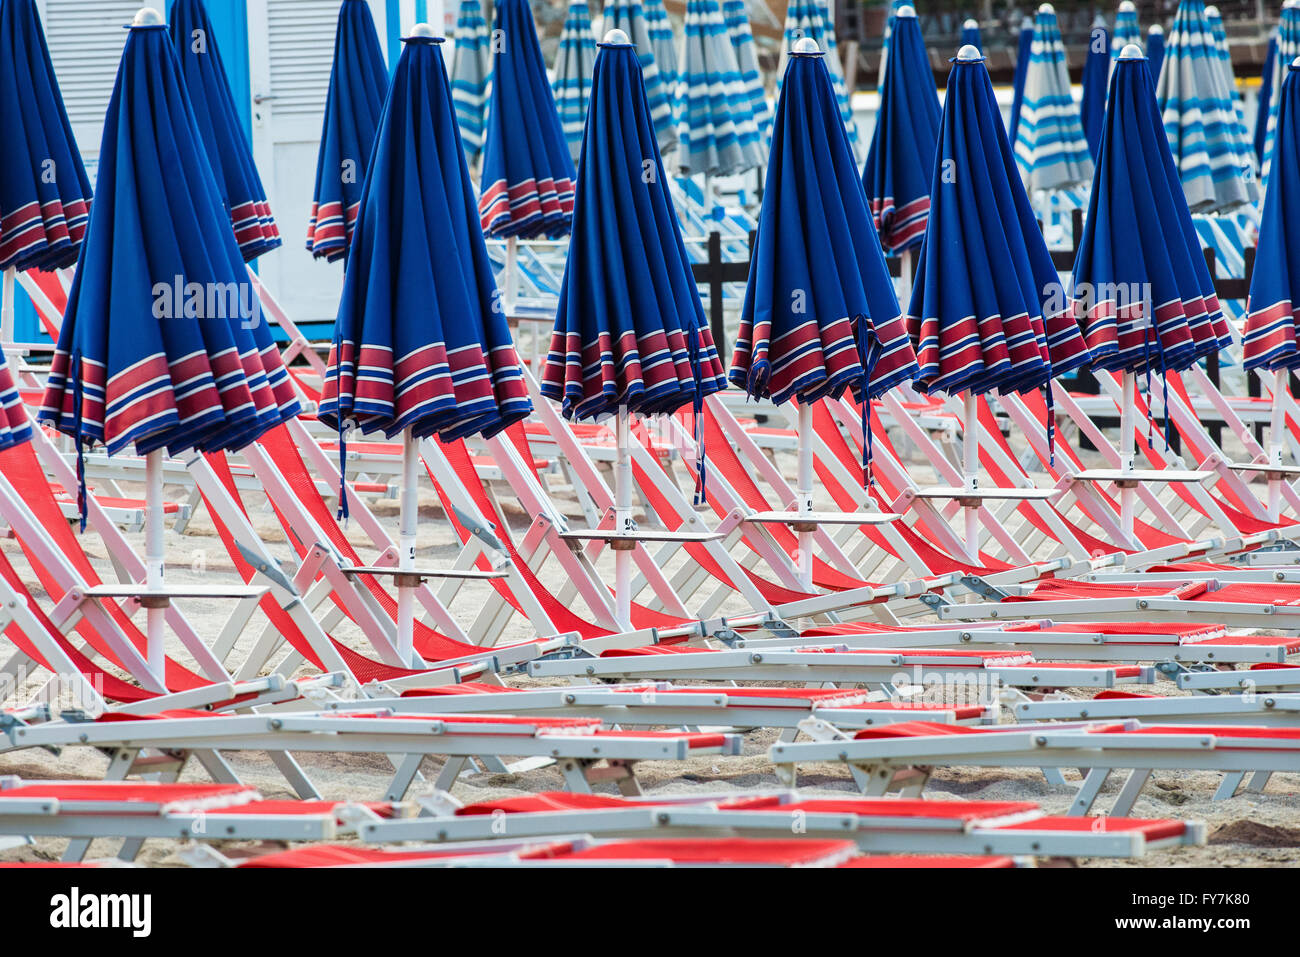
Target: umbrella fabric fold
x: 358, y: 85
x: 900, y: 162
x: 574, y: 62
x: 1273, y: 310
x: 162, y: 344
x: 1285, y: 51
x: 716, y: 131
x: 820, y: 313
x: 630, y: 16
x: 1142, y: 289
x: 419, y: 342
x: 1155, y: 50
x: 470, y: 73
x: 1096, y: 74
x: 811, y: 18
x: 630, y: 330
x: 221, y: 129
x: 736, y: 15
x: 44, y: 191
x: 987, y: 310
x: 528, y: 175
x: 1208, y: 145
x: 15, y: 426
x: 1050, y: 145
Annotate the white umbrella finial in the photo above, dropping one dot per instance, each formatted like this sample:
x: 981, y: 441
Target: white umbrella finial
x: 1047, y: 8
x: 805, y: 45
x: 971, y: 24
x: 1213, y: 11
x: 617, y: 37
x: 147, y: 17
x: 424, y: 31
x: 1156, y: 30
x: 1131, y: 51
x: 1127, y: 7
x: 905, y: 11
x: 969, y: 52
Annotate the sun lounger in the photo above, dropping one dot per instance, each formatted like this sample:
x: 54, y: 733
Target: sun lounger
x: 876, y: 826
x: 902, y: 756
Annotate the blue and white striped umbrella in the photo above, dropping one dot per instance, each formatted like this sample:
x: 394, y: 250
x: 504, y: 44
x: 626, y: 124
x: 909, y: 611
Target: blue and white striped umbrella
x: 470, y: 72
x: 1051, y: 150
x: 574, y: 64
x: 736, y: 15
x: 630, y: 17
x: 717, y: 134
x: 1224, y: 56
x: 1274, y: 305
x: 1287, y: 49
x: 970, y: 35
x: 1126, y: 29
x: 665, y: 46
x: 1208, y: 145
x: 811, y: 18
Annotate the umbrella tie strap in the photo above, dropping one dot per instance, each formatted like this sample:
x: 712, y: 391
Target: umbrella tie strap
x: 77, y: 398
x: 868, y: 355
x: 697, y: 408
x: 343, y: 471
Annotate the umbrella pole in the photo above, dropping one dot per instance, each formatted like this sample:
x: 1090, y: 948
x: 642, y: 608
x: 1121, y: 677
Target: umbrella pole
x: 907, y: 264
x: 1276, y: 431
x: 1127, y: 492
x: 155, y: 558
x: 970, y: 448
x: 7, y: 307
x: 410, y: 508
x: 511, y: 292
x: 805, y: 494
x: 623, y: 522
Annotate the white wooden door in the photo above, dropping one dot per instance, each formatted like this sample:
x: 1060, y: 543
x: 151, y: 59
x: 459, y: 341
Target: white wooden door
x: 291, y: 49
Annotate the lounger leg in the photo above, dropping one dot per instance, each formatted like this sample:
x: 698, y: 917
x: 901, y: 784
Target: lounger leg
x: 295, y: 775
x: 450, y: 772
x: 872, y: 784
x: 1055, y: 778
x: 1259, y: 781
x: 1093, y: 782
x: 406, y: 772
x: 1228, y: 786
x: 575, y: 776
x: 218, y: 768
x: 1128, y: 794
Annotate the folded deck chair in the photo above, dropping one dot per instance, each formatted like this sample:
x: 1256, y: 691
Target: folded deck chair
x: 902, y: 756
x: 876, y: 826
x: 583, y: 749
